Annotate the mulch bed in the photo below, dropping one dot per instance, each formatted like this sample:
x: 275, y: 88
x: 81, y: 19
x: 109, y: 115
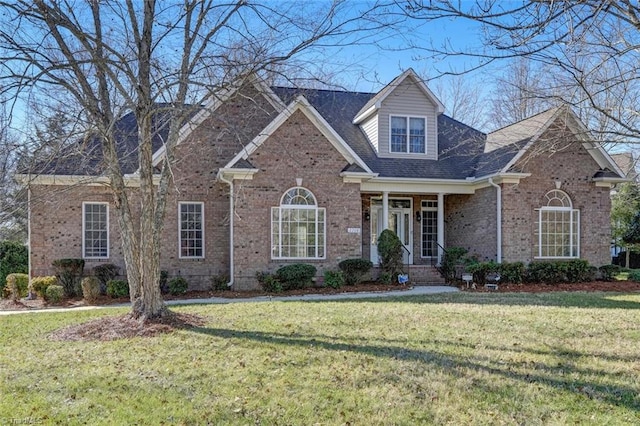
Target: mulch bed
x: 615, y: 286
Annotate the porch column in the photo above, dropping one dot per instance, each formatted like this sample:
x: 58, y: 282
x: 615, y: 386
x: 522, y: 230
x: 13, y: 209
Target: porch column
x: 385, y: 210
x: 440, y: 226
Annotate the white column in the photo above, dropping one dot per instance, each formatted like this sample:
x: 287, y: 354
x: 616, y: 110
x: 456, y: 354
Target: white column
x: 385, y: 210
x: 440, y: 226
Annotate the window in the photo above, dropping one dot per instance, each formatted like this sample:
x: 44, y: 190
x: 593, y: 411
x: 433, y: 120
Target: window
x: 298, y: 227
x: 429, y: 228
x: 95, y: 230
x: 191, y: 230
x: 408, y: 135
x: 558, y: 227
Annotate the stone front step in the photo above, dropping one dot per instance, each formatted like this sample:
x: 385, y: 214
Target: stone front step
x: 420, y: 275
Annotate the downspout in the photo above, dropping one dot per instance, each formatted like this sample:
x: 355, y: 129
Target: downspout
x: 231, y: 213
x: 498, y: 220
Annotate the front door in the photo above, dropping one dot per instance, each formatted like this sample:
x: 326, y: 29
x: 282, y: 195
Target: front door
x: 399, y: 222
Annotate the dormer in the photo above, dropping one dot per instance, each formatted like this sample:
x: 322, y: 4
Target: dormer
x: 401, y: 120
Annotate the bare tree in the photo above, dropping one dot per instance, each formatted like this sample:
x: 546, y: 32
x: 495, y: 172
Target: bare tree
x: 110, y: 57
x: 463, y: 100
x: 587, y: 49
x: 13, y: 216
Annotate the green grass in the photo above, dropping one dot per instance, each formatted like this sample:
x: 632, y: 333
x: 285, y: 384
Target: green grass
x: 464, y: 358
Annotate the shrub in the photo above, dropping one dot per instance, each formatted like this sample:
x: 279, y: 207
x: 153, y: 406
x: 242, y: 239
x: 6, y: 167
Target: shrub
x: 354, y: 269
x: 268, y: 282
x: 608, y: 272
x: 178, y: 285
x: 14, y: 259
x: 105, y: 273
x: 390, y: 252
x: 554, y: 272
x: 334, y: 279
x: 480, y: 270
x: 69, y: 273
x: 578, y: 270
x: 297, y: 275
x: 17, y: 286
x: 164, y: 279
x: 90, y: 289
x: 385, y: 278
x: 512, y: 272
x: 117, y: 288
x: 54, y: 293
x: 452, y: 257
x: 219, y: 282
x: 40, y: 284
x: 634, y: 275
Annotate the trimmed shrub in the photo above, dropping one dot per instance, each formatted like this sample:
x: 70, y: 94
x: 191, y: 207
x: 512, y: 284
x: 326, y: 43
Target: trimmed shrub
x: 334, y: 279
x: 14, y: 259
x: 385, y: 278
x: 634, y: 275
x: 297, y: 275
x: 390, y: 252
x: 54, y: 294
x: 105, y: 273
x: 452, y: 257
x: 164, y: 279
x: 90, y: 289
x: 40, y: 284
x: 578, y: 271
x: 268, y: 282
x: 117, y: 288
x: 219, y: 282
x: 512, y: 272
x: 554, y: 272
x: 69, y: 273
x: 354, y: 269
x: 608, y: 272
x: 17, y: 286
x: 178, y: 285
x: 480, y: 270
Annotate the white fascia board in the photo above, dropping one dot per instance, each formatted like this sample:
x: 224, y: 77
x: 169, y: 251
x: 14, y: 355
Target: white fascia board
x: 431, y: 186
x: 366, y: 114
x: 301, y: 104
x: 69, y: 180
x: 238, y: 174
x: 609, y: 182
x: 356, y: 177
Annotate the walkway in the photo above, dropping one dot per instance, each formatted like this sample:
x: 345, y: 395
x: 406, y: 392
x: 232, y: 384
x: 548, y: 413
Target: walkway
x: 415, y: 291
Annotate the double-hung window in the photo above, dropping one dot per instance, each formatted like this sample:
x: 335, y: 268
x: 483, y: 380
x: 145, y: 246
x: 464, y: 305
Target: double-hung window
x: 191, y: 230
x: 558, y: 227
x: 298, y: 227
x: 95, y: 230
x: 408, y: 135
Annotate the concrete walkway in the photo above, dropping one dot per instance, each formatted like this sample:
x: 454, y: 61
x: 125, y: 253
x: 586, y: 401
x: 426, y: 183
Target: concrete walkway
x: 414, y: 291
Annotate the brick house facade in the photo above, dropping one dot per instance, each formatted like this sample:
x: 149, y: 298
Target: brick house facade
x: 271, y: 176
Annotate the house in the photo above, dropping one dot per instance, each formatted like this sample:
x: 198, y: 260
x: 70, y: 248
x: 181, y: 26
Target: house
x: 268, y: 176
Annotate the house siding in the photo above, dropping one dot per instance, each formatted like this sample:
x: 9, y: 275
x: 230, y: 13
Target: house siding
x: 471, y: 223
x: 370, y: 128
x: 573, y: 166
x: 296, y: 150
x: 407, y: 99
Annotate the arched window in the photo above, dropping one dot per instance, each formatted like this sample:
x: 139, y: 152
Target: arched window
x: 558, y: 227
x: 298, y: 226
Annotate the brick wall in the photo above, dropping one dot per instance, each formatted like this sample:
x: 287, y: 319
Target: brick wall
x: 297, y: 150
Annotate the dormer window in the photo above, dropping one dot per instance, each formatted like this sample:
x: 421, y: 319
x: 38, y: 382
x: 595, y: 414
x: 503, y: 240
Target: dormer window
x: 407, y: 135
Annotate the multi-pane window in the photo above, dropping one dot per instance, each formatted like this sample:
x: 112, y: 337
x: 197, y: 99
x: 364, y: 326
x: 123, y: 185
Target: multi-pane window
x: 558, y: 227
x: 95, y: 230
x: 408, y: 135
x: 191, y: 230
x: 429, y: 228
x: 298, y: 227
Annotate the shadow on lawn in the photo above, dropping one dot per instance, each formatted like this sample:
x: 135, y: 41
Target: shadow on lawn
x: 602, y: 387
x: 597, y: 300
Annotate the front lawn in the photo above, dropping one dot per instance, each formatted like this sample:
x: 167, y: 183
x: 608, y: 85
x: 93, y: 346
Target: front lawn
x: 465, y: 358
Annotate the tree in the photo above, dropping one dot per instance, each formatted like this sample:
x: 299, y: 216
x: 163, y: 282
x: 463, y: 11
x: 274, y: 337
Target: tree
x: 111, y: 57
x: 587, y: 49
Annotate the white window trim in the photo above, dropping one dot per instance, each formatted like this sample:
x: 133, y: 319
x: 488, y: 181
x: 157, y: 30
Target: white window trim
x: 84, y: 229
x: 572, y: 212
x: 314, y: 207
x: 180, y: 204
x: 407, y: 142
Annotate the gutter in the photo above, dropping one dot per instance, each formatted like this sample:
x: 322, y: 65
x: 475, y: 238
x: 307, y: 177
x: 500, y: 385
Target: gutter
x: 498, y: 220
x: 231, y: 214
